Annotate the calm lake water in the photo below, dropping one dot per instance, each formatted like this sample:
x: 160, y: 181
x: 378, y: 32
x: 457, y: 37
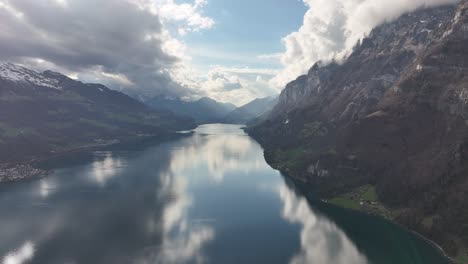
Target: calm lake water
x: 209, y: 197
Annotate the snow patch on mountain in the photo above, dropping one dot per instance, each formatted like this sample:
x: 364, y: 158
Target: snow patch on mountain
x: 16, y: 73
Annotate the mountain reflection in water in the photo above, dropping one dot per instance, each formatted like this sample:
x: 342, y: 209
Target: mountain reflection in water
x: 209, y: 197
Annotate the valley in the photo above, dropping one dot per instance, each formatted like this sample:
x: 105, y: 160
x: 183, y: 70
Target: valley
x: 48, y: 114
x: 152, y: 141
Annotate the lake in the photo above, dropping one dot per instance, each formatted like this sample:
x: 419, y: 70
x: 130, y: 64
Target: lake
x: 208, y: 197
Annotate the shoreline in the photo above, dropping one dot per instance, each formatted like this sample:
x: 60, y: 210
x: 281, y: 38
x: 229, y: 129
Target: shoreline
x: 302, y: 184
x: 432, y: 242
x: 419, y: 235
x: 12, y: 173
x: 26, y: 170
x: 30, y: 169
x: 461, y: 257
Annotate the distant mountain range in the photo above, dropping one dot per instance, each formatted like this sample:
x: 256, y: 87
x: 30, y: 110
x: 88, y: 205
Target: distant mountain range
x: 251, y: 111
x: 207, y: 110
x: 46, y: 113
x: 393, y: 115
x: 204, y: 110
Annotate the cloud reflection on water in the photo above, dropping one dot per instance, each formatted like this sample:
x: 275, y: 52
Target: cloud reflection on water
x: 47, y: 187
x: 105, y: 167
x: 20, y: 255
x: 181, y: 241
x: 321, y: 240
x: 220, y: 154
x: 216, y: 153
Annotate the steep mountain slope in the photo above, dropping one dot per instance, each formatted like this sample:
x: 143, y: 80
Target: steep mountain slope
x: 44, y: 113
x: 205, y: 110
x: 393, y: 115
x: 251, y: 111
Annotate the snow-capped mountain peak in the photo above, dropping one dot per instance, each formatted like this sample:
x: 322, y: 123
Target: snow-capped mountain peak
x: 16, y: 73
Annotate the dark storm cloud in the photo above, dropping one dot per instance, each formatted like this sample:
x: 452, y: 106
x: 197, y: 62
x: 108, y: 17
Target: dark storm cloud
x: 90, y: 37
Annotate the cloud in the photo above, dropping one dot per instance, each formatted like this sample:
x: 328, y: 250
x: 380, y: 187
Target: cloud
x: 187, y: 15
x: 122, y: 43
x: 332, y: 27
x: 237, y: 85
x: 221, y: 80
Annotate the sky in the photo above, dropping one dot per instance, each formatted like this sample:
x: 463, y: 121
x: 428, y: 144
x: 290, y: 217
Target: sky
x: 231, y: 51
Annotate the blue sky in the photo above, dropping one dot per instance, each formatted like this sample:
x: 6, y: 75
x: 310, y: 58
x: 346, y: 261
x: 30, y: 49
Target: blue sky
x: 244, y: 29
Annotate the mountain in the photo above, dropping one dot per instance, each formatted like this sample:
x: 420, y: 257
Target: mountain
x: 46, y: 113
x: 393, y: 115
x: 249, y: 112
x: 204, y: 110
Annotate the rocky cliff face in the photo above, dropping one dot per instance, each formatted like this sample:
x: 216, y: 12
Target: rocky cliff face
x: 393, y: 114
x: 354, y: 87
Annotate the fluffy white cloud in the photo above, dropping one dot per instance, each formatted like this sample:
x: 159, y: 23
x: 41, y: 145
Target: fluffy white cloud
x: 188, y: 15
x: 332, y: 27
x: 219, y: 80
x: 237, y: 85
